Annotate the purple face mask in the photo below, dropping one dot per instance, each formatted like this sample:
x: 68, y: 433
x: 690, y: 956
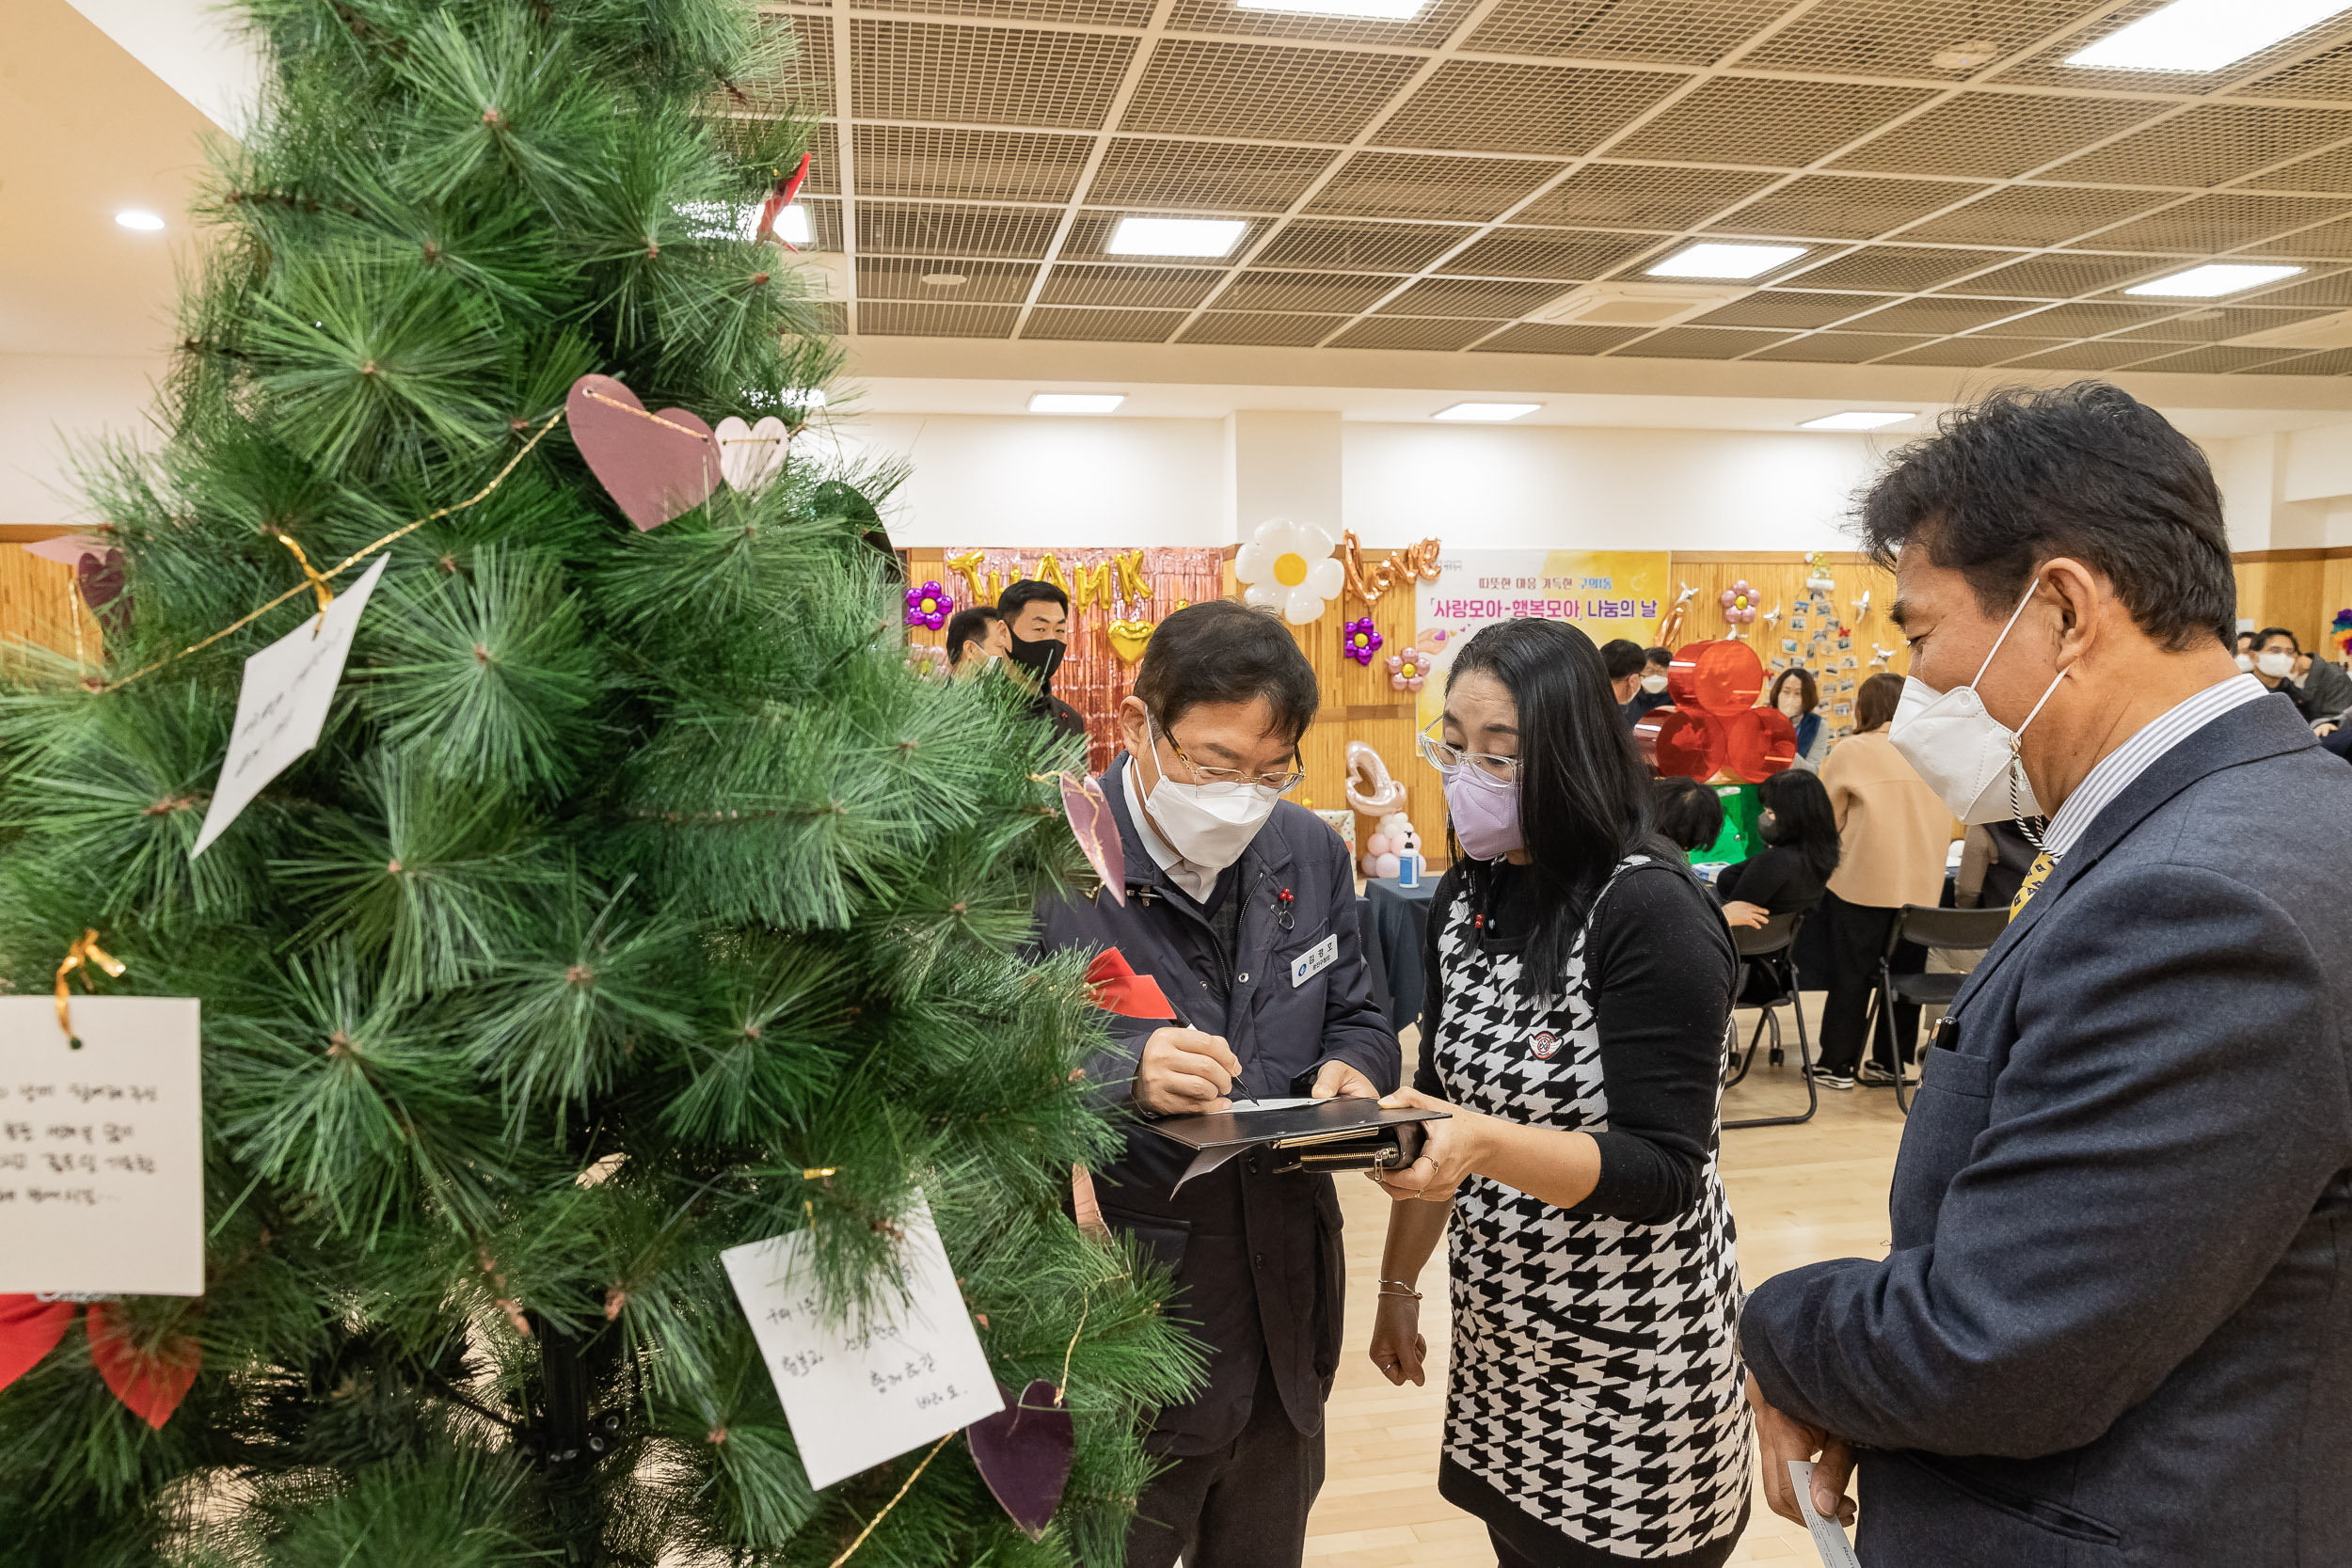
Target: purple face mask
x: 1486, y: 814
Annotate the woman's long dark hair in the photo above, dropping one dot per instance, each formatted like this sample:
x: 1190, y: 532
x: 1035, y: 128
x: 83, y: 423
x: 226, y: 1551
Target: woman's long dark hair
x: 1584, y: 795
x: 1802, y: 817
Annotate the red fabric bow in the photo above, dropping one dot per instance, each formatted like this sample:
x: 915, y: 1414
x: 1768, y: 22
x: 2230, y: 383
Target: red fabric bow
x: 778, y: 199
x: 1118, y: 989
x: 150, y: 1382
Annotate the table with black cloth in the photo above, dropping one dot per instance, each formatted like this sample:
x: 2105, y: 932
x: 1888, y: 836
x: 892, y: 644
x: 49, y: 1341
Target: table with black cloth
x: 1395, y: 925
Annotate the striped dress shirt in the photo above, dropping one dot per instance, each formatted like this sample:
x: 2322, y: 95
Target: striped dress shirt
x: 2119, y: 768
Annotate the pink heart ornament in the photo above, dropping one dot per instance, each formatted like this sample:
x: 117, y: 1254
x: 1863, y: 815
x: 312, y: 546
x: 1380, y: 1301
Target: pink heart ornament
x: 1023, y: 1452
x: 751, y: 456
x: 655, y: 467
x: 1090, y: 819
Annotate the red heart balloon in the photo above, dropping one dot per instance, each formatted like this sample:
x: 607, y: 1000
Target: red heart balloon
x: 29, y: 1329
x: 656, y: 467
x: 1023, y: 1452
x: 152, y: 1383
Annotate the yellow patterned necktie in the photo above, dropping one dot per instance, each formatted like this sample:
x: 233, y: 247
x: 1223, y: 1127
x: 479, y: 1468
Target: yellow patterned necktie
x: 2043, y: 867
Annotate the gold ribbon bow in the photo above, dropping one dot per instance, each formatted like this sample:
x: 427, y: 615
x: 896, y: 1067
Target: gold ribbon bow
x: 84, y: 953
x: 317, y: 580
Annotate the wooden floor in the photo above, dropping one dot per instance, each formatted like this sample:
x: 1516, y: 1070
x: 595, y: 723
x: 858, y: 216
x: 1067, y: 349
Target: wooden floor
x: 1799, y: 1193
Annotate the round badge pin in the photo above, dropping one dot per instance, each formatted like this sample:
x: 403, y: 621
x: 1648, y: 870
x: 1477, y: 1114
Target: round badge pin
x: 1544, y: 1045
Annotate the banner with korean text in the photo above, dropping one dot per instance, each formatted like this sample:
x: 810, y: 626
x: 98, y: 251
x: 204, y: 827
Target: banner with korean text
x: 1603, y: 593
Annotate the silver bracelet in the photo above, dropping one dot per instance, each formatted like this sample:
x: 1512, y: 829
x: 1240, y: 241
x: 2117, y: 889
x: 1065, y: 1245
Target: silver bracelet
x: 1402, y: 1289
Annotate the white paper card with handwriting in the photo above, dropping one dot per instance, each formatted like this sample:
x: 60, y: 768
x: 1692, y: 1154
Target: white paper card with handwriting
x: 855, y: 1395
x: 289, y: 686
x: 102, y: 1158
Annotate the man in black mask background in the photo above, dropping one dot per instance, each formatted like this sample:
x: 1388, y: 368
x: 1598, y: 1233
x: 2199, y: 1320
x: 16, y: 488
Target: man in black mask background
x: 1038, y: 615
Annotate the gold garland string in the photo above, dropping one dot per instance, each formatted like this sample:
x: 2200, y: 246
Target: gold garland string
x: 315, y: 581
x: 908, y: 1484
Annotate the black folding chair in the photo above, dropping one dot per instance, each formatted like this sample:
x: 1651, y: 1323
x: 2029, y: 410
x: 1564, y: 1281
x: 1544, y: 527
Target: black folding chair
x: 1970, y: 930
x: 1767, y: 950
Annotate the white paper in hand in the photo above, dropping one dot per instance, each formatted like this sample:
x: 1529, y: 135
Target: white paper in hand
x: 282, y: 705
x: 102, y: 1159
x: 857, y: 1398
x: 1829, y: 1536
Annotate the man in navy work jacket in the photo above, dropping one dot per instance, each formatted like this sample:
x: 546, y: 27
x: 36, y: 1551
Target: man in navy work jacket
x: 2115, y: 1325
x: 1243, y: 907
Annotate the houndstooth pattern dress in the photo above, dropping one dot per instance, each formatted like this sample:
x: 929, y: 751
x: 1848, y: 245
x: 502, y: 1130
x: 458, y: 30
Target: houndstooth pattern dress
x: 1596, y: 1380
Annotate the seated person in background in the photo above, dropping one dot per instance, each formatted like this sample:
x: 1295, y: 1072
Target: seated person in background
x: 976, y: 639
x: 1688, y: 816
x: 2275, y: 653
x: 1037, y: 616
x: 1789, y: 874
x: 1992, y: 866
x: 2246, y: 652
x: 1623, y: 662
x: 1655, y: 662
x: 1794, y: 692
x: 2327, y: 689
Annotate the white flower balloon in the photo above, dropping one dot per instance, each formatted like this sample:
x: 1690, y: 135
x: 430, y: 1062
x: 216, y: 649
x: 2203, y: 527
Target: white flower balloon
x: 1289, y: 566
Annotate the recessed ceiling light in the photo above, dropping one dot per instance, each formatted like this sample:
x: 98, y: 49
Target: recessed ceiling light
x: 1726, y: 261
x: 1175, y: 236
x: 1856, y: 419
x: 946, y: 280
x: 132, y: 217
x: 1379, y: 11
x: 720, y: 220
x: 2203, y: 35
x: 1485, y: 413
x: 1075, y: 403
x: 2212, y: 281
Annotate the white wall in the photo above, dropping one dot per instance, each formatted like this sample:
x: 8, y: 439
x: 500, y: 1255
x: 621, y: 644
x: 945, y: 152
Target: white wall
x: 48, y: 402
x: 1567, y: 487
x: 2289, y: 490
x: 983, y: 479
x: 1032, y: 479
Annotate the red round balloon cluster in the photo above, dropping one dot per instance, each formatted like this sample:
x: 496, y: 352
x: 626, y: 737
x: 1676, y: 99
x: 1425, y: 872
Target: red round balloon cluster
x: 1713, y: 724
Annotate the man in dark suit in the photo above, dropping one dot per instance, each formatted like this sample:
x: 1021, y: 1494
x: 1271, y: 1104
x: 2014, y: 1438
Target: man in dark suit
x: 1243, y: 907
x: 2115, y: 1325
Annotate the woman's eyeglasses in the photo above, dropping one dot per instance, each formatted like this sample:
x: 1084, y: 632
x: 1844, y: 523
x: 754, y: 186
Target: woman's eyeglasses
x: 1449, y: 760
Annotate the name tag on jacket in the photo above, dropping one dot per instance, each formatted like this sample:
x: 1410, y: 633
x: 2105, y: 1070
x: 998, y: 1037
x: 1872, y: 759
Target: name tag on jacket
x: 1313, y: 962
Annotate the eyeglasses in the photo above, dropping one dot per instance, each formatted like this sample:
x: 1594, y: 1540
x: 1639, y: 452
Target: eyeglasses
x: 1448, y: 760
x: 1228, y: 778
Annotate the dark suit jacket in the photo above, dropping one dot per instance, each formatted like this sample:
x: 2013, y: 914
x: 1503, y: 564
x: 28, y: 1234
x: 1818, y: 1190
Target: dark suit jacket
x: 1256, y: 1256
x: 2116, y: 1324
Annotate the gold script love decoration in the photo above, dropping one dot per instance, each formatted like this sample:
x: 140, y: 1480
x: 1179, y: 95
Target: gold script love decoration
x: 1368, y: 584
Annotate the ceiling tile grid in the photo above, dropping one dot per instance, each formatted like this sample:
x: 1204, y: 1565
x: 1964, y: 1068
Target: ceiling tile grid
x: 1956, y: 194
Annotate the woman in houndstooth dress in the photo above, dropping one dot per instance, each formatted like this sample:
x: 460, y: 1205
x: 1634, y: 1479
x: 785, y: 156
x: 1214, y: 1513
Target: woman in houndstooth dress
x: 1579, y: 980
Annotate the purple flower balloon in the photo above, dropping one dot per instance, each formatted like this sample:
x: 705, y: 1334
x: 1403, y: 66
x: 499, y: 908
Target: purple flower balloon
x: 1359, y: 641
x: 928, y: 606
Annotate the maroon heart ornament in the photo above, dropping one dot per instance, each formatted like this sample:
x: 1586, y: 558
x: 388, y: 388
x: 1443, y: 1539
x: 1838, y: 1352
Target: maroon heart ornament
x: 1090, y: 814
x: 656, y: 467
x: 1023, y: 1452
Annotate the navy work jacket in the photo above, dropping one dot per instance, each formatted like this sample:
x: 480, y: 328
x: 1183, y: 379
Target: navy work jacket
x: 1256, y: 1256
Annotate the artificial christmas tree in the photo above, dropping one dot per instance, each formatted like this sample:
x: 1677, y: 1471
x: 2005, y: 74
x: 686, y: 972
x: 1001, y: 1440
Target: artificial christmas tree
x: 637, y: 903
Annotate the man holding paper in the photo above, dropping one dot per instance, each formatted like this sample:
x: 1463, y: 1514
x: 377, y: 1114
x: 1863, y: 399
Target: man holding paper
x: 1243, y: 907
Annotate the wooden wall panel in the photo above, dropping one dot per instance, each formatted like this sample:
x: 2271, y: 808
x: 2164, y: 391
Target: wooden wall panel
x: 2287, y: 588
x: 2335, y: 592
x: 39, y: 602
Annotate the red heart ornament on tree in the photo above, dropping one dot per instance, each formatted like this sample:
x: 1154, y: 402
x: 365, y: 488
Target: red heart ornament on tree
x: 29, y: 1329
x: 1023, y: 1452
x: 655, y: 467
x: 152, y: 1383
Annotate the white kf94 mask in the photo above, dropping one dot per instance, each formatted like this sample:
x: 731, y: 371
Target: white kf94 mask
x: 1965, y: 754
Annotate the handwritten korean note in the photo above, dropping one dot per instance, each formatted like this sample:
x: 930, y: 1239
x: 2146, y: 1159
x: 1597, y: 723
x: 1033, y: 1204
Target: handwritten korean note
x: 857, y: 1396
x: 289, y: 686
x: 102, y: 1164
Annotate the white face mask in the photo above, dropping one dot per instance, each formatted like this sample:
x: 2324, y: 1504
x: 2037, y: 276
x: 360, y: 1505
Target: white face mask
x: 1653, y: 684
x: 1211, y: 824
x: 2275, y: 665
x: 1791, y: 702
x: 2246, y: 663
x: 1965, y: 754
